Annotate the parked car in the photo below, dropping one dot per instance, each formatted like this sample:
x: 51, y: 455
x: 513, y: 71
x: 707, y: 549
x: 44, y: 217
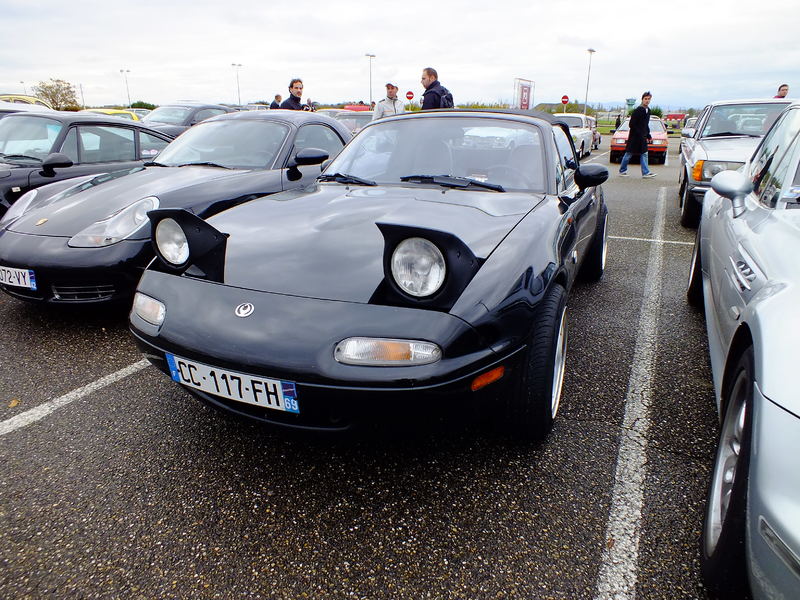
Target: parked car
x: 725, y: 136
x: 87, y: 240
x: 656, y: 149
x: 45, y: 146
x: 115, y: 112
x: 174, y: 119
x: 255, y: 106
x: 140, y: 112
x: 25, y: 99
x: 354, y: 120
x: 746, y: 275
x: 416, y: 270
x: 581, y: 130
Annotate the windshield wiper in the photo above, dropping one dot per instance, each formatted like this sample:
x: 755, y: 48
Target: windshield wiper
x: 20, y: 156
x: 153, y: 163
x: 453, y: 181
x: 736, y: 133
x: 345, y: 178
x: 204, y: 164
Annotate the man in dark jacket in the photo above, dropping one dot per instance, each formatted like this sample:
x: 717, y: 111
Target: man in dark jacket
x: 295, y: 93
x: 638, y: 138
x: 277, y: 102
x: 432, y: 96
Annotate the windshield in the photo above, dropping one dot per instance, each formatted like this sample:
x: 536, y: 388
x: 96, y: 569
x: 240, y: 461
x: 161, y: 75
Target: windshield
x: 741, y: 119
x: 353, y: 120
x: 571, y: 121
x: 28, y: 136
x: 488, y: 150
x: 174, y: 115
x: 655, y: 126
x: 241, y: 144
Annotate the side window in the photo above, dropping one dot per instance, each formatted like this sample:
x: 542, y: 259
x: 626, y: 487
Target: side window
x: 106, y: 144
x: 318, y: 136
x: 566, y: 155
x: 70, y: 145
x: 150, y: 145
x: 207, y: 113
x: 769, y: 167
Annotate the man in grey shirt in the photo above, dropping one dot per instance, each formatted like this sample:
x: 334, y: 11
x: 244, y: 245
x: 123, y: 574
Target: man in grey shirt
x: 391, y: 105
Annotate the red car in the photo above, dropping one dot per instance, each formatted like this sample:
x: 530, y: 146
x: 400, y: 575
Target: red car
x: 656, y: 149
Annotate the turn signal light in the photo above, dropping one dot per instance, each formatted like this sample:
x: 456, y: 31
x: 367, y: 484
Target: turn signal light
x: 697, y: 170
x: 481, y: 381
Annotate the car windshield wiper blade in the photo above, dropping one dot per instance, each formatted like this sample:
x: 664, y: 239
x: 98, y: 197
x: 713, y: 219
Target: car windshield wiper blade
x: 345, y: 178
x: 204, y: 164
x: 453, y: 181
x: 737, y: 133
x: 153, y: 163
x: 20, y: 156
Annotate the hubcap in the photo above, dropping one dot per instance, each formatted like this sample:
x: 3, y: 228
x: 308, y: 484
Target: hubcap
x: 605, y: 241
x: 559, y: 363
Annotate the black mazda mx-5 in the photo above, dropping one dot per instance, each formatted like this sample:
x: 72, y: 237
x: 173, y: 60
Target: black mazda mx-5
x: 431, y: 260
x: 88, y: 239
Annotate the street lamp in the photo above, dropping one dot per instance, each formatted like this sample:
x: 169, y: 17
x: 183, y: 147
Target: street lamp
x: 24, y: 89
x: 370, y: 57
x: 124, y: 73
x: 586, y: 98
x: 237, y: 66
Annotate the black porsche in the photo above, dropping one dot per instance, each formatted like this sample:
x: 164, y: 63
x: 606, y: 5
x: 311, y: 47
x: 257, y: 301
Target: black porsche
x: 87, y: 240
x: 431, y: 261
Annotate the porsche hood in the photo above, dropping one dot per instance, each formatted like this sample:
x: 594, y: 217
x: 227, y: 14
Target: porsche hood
x: 326, y: 244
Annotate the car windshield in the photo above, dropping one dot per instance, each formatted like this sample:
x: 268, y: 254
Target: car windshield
x: 28, y: 136
x: 487, y: 150
x: 353, y: 120
x: 239, y: 144
x: 571, y: 121
x: 741, y: 119
x: 654, y: 125
x: 174, y: 115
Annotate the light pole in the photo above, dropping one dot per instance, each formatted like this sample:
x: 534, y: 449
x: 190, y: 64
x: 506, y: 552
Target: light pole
x: 24, y: 89
x: 370, y: 57
x: 124, y: 73
x: 586, y: 98
x: 237, y: 66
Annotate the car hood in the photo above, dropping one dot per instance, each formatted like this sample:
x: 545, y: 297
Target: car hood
x: 325, y: 243
x: 70, y: 212
x: 730, y: 149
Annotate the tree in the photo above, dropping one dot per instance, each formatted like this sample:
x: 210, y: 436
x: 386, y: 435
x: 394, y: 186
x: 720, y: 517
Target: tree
x: 59, y: 93
x: 143, y: 104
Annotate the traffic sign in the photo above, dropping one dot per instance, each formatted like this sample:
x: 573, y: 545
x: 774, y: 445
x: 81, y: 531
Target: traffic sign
x: 564, y: 99
x: 410, y: 95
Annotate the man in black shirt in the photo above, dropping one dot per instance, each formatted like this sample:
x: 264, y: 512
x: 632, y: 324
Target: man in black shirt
x: 295, y: 93
x: 432, y: 96
x: 638, y: 138
x: 277, y: 102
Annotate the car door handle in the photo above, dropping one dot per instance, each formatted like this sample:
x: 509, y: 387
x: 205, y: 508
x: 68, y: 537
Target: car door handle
x: 742, y: 275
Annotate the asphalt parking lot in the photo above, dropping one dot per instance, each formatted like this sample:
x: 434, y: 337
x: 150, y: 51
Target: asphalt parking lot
x: 129, y: 488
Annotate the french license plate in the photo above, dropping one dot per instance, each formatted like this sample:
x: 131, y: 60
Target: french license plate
x: 250, y: 389
x: 18, y: 277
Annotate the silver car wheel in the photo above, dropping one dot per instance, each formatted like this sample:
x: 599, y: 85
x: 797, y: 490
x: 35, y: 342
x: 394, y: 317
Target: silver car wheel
x: 559, y: 363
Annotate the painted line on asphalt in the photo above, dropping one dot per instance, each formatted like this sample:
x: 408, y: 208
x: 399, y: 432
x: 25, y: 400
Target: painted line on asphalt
x: 649, y: 240
x: 618, y: 572
x: 40, y: 412
x: 595, y: 156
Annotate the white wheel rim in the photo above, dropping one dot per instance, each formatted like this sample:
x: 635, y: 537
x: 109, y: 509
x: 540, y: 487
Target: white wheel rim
x: 605, y: 241
x: 559, y: 363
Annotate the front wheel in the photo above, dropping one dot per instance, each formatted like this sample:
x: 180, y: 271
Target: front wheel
x: 722, y: 548
x: 533, y: 402
x: 690, y: 210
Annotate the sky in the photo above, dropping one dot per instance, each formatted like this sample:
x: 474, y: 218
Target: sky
x: 686, y: 53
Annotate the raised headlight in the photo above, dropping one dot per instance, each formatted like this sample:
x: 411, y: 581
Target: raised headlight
x: 19, y: 207
x: 119, y: 226
x: 171, y: 242
x: 418, y: 267
x: 380, y: 352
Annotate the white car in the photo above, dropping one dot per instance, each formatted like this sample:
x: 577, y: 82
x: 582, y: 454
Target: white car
x: 580, y: 127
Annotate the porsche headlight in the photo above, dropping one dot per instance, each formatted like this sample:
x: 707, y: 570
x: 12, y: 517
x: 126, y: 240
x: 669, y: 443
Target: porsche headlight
x: 19, y: 207
x: 171, y: 242
x: 380, y: 352
x: 119, y: 226
x: 418, y: 267
x: 704, y: 170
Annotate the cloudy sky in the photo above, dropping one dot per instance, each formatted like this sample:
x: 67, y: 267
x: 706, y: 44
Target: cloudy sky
x: 686, y: 52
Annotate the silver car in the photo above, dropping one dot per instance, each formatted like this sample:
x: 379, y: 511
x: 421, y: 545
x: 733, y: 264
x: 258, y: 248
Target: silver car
x: 745, y: 271
x: 725, y: 136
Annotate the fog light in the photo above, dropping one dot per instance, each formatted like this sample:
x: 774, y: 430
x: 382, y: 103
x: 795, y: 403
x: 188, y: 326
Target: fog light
x: 379, y: 352
x: 149, y: 309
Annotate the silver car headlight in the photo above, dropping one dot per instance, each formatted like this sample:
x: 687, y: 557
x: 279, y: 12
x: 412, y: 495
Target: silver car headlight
x: 119, y: 226
x: 19, y: 207
x: 171, y: 242
x: 712, y: 167
x: 381, y: 352
x: 418, y: 267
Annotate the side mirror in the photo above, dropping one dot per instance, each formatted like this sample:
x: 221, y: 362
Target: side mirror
x: 56, y: 160
x: 734, y: 186
x: 310, y: 156
x: 687, y: 132
x: 590, y: 175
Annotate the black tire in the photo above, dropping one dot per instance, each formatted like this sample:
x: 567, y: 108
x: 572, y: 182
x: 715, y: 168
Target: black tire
x: 722, y: 546
x: 614, y: 157
x: 694, y: 287
x: 533, y: 401
x: 594, y: 264
x: 690, y: 210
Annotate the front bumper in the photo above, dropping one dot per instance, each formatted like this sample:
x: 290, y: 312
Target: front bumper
x: 293, y: 339
x: 67, y: 275
x: 696, y: 192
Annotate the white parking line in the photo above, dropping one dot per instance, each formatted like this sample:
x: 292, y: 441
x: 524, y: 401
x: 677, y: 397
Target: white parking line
x: 595, y: 156
x: 618, y: 571
x: 40, y: 412
x: 649, y: 240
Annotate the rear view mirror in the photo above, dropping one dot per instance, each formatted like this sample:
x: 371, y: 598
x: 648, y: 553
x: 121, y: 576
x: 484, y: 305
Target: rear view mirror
x: 56, y: 160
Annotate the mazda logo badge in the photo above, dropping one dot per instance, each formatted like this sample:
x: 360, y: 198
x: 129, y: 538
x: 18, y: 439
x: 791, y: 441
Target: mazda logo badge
x: 245, y: 309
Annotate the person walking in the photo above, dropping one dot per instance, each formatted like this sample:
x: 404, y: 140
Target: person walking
x: 638, y: 138
x: 277, y: 102
x: 619, y: 120
x: 295, y: 94
x: 783, y: 90
x: 435, y: 94
x: 391, y: 105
